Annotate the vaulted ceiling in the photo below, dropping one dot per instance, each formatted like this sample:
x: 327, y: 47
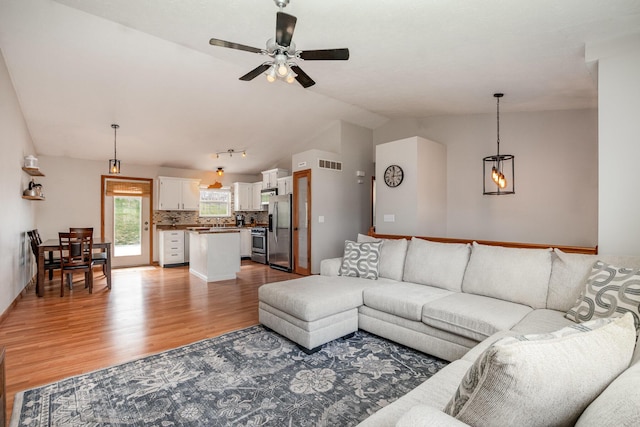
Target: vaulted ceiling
x: 80, y: 65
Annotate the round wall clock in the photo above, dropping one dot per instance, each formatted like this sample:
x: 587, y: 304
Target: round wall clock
x: 393, y: 176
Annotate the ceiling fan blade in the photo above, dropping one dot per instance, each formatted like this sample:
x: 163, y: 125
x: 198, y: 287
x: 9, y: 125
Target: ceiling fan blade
x: 325, y: 54
x: 231, y: 45
x: 302, y: 77
x: 285, y: 24
x: 256, y: 72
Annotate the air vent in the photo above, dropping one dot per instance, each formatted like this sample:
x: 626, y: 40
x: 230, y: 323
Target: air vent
x: 330, y: 164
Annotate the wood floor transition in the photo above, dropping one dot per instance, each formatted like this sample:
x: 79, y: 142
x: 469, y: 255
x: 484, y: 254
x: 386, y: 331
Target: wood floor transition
x: 149, y: 310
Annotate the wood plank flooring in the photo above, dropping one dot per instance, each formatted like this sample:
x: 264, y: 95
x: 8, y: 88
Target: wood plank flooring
x: 148, y: 310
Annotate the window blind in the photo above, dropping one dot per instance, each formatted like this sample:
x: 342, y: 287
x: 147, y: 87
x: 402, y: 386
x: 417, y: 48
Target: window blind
x: 128, y: 188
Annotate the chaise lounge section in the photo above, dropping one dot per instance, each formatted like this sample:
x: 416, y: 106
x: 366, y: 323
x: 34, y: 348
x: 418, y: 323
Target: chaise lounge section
x: 450, y: 300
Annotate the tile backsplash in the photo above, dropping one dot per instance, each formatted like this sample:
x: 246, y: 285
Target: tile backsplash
x: 192, y: 217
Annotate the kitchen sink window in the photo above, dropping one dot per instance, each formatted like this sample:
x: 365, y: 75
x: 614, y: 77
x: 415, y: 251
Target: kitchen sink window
x: 215, y: 202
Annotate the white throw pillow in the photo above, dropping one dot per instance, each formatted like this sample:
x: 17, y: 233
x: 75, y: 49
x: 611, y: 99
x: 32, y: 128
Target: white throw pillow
x: 436, y: 264
x: 609, y: 291
x: 392, y: 256
x: 511, y: 274
x: 568, y: 275
x: 361, y: 259
x: 546, y: 379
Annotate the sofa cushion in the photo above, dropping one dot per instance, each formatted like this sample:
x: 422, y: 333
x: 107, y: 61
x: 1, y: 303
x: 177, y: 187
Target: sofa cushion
x: 402, y: 299
x: 427, y: 416
x: 436, y: 392
x: 569, y: 272
x: 436, y: 264
x: 473, y: 316
x: 618, y: 405
x: 544, y: 379
x: 542, y: 321
x: 609, y: 291
x: 314, y: 297
x: 361, y: 259
x: 511, y: 274
x: 392, y: 256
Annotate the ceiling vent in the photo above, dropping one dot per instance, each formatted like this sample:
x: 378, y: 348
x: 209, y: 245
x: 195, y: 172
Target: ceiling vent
x: 330, y: 164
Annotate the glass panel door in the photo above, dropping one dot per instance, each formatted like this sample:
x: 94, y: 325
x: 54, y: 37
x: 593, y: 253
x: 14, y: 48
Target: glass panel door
x: 301, y: 218
x: 127, y: 226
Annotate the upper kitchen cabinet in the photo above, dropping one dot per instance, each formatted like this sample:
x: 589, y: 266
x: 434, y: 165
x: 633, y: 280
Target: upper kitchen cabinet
x: 242, y: 196
x: 178, y: 194
x: 285, y: 185
x: 270, y: 177
x: 257, y: 196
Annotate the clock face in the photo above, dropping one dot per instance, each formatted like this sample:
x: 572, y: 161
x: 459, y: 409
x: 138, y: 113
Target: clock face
x: 393, y: 176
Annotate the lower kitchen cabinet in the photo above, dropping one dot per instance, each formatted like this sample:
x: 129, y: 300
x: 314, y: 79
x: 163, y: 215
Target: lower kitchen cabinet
x: 171, y: 248
x: 245, y: 243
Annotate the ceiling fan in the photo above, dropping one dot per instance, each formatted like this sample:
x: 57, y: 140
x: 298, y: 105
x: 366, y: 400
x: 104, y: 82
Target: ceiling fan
x: 283, y: 53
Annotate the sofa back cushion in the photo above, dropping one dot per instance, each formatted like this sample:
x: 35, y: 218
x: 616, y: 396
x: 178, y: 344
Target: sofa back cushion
x: 392, y: 255
x: 511, y: 274
x: 436, y: 264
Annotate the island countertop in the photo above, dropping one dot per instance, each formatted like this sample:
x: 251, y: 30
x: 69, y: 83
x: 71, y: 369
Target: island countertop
x: 215, y: 231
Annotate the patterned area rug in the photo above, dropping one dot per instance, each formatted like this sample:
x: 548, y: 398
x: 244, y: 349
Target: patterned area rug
x: 251, y: 377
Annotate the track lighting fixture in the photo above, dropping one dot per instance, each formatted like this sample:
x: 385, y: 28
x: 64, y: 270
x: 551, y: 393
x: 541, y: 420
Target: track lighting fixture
x: 231, y: 152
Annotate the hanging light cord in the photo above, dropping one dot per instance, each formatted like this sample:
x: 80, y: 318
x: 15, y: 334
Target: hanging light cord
x: 498, y: 123
x: 115, y: 130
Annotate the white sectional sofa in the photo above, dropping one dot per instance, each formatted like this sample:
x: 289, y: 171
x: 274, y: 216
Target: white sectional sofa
x: 454, y: 301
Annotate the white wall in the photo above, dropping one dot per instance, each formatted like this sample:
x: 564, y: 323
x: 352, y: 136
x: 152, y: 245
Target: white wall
x: 619, y: 144
x: 418, y: 205
x: 556, y: 174
x: 72, y: 190
x: 337, y: 196
x: 17, y: 214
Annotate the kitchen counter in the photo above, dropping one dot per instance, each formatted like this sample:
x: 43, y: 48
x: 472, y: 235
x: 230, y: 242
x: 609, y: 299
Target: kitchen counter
x: 214, y: 254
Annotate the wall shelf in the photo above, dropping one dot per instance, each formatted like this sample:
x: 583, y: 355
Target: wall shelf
x: 33, y: 171
x: 33, y: 198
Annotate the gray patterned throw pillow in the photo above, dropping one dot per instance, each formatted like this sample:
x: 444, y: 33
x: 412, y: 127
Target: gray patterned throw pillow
x: 361, y: 259
x: 610, y: 291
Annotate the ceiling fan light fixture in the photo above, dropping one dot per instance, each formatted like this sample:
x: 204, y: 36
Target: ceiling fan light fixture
x: 291, y: 77
x: 283, y: 70
x: 271, y: 74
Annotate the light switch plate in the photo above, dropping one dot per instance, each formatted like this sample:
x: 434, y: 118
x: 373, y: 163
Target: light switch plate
x: 389, y: 218
x: 321, y: 219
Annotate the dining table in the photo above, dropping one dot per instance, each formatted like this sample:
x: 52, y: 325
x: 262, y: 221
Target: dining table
x: 50, y: 245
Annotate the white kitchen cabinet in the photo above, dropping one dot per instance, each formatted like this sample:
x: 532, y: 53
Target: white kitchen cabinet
x: 257, y: 197
x: 285, y: 185
x: 270, y: 177
x: 242, y: 196
x: 245, y: 243
x: 171, y: 247
x: 178, y: 194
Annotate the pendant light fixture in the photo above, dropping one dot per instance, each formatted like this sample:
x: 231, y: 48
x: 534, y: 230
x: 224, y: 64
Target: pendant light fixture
x: 220, y: 171
x: 114, y: 164
x: 498, y: 171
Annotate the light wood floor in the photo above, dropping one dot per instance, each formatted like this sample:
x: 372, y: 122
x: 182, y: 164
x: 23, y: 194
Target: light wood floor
x: 148, y: 310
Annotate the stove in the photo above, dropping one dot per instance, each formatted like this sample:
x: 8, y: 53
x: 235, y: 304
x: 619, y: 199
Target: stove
x: 259, y: 244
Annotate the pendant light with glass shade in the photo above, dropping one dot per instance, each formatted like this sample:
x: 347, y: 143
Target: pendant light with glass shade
x: 498, y: 171
x: 114, y: 164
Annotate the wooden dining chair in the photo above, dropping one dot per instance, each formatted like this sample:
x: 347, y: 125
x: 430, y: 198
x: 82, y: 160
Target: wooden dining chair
x: 75, y: 255
x: 99, y: 258
x: 50, y: 263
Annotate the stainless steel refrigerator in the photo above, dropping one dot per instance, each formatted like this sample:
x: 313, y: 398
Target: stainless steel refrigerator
x: 279, y: 253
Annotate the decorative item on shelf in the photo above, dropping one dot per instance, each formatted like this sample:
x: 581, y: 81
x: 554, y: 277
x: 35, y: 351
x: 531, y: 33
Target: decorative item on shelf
x: 216, y: 184
x: 114, y: 164
x: 220, y: 171
x: 498, y: 170
x: 33, y: 192
x: 231, y: 152
x: 30, y: 162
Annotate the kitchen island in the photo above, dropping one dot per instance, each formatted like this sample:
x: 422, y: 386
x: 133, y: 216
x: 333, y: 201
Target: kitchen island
x: 214, y: 254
